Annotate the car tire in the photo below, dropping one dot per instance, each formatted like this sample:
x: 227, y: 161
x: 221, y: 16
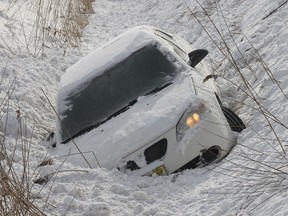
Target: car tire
x: 235, y: 123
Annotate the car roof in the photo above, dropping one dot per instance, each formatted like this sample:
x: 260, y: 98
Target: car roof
x: 107, y: 55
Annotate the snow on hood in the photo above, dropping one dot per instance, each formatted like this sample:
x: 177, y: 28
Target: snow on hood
x: 149, y: 118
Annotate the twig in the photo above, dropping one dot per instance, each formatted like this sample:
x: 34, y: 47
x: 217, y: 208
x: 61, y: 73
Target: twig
x: 273, y: 11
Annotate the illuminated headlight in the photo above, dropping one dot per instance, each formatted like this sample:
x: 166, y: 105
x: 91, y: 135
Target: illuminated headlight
x: 189, y: 119
x: 193, y: 119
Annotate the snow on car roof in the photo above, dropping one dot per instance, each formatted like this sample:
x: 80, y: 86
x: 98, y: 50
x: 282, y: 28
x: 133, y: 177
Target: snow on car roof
x: 107, y: 55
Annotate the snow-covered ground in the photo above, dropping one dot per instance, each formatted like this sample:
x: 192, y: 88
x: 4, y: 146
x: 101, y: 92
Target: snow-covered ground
x: 250, y: 181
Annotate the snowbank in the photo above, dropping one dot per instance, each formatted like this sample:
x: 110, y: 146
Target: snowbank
x: 250, y: 181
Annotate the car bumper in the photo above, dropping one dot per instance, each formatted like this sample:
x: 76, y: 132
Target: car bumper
x: 213, y: 131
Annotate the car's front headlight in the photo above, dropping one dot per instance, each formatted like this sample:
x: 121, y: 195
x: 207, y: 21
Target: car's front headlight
x: 191, y: 117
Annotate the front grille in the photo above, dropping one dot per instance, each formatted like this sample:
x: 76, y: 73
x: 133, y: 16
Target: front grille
x: 156, y: 151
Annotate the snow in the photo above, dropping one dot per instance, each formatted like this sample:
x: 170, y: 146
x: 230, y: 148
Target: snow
x: 250, y: 181
x: 124, y: 134
x: 106, y: 56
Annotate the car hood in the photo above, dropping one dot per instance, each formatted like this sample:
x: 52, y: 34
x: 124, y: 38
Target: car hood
x: 150, y: 117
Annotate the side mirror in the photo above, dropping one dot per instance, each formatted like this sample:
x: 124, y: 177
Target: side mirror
x: 196, y: 56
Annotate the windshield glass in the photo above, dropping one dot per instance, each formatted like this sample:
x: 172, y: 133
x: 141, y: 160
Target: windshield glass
x: 104, y: 95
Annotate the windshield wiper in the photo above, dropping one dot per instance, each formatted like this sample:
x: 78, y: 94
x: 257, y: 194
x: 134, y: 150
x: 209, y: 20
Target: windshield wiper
x: 159, y: 88
x: 123, y: 109
x: 91, y: 127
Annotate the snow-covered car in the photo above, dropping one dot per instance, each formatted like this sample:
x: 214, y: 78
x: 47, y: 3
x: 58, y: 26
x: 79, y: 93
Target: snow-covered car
x: 143, y: 102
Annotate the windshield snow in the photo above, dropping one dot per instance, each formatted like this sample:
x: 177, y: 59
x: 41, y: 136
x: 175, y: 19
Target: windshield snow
x: 117, y: 88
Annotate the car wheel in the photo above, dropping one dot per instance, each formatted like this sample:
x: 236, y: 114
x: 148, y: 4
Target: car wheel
x: 235, y: 123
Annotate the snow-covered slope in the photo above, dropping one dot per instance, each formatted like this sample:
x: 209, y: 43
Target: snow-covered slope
x: 250, y: 181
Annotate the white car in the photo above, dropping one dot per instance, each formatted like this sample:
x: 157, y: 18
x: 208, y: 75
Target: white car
x: 139, y: 104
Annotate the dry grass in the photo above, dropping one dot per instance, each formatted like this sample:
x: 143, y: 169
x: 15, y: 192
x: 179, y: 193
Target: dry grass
x: 51, y: 24
x: 14, y: 196
x: 260, y: 175
x: 56, y: 24
x: 60, y: 23
x: 15, y: 187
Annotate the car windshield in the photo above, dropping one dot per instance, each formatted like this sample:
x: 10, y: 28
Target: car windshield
x: 116, y: 89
